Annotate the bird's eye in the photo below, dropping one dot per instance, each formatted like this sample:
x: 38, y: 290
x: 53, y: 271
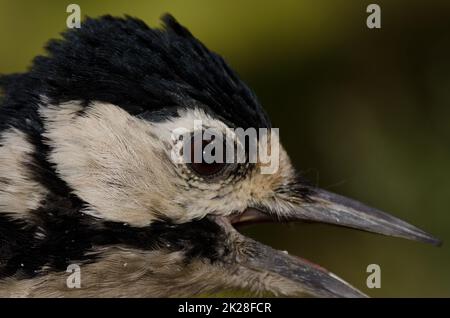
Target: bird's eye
x: 210, y: 159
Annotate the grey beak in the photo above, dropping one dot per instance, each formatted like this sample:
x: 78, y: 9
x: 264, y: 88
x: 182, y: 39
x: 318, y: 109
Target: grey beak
x: 310, y: 279
x: 327, y: 207
x: 296, y: 276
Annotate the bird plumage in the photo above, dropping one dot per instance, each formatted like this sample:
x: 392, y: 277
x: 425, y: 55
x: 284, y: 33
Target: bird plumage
x: 145, y: 73
x: 86, y: 176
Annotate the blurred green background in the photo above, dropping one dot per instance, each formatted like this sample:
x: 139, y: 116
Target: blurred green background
x: 365, y: 113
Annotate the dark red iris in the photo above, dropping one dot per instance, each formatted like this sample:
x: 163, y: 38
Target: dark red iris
x: 202, y: 167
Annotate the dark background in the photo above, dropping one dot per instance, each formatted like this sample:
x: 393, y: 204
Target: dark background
x: 365, y: 113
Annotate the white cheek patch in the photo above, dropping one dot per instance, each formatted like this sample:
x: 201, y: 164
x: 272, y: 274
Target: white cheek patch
x: 19, y: 193
x: 112, y: 160
x: 121, y: 166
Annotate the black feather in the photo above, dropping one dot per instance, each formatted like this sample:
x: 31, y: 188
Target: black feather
x: 149, y: 73
x: 124, y: 62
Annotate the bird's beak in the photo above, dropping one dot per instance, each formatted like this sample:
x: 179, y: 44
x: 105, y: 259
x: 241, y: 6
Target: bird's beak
x: 325, y: 207
x: 285, y: 274
x: 322, y: 206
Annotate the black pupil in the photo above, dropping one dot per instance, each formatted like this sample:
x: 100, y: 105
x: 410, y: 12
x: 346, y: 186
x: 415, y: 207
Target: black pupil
x: 204, y: 168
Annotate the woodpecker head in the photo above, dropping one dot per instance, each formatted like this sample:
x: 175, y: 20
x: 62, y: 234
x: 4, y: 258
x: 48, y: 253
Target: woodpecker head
x: 88, y: 176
